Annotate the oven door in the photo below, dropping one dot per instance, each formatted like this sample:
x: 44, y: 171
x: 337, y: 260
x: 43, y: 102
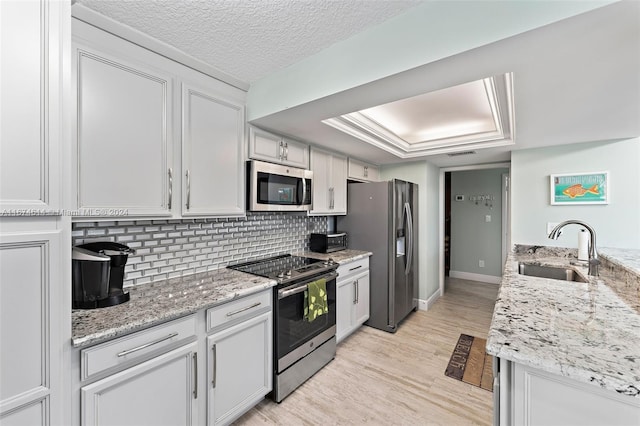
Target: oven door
x: 295, y: 336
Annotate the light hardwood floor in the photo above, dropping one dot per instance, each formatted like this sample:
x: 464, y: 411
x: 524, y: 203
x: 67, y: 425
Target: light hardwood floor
x: 384, y: 378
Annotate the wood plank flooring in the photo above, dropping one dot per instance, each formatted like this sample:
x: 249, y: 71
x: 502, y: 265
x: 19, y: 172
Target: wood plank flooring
x: 384, y: 378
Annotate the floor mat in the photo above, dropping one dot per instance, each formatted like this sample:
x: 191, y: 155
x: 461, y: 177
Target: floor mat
x: 470, y: 363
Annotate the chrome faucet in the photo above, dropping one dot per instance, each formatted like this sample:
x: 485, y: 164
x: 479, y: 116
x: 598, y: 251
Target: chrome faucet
x: 593, y: 253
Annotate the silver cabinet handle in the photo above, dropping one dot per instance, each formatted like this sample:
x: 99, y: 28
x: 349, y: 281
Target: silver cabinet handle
x: 146, y: 345
x: 286, y: 150
x: 188, y: 189
x: 281, y: 151
x: 230, y: 314
x: 215, y: 365
x: 195, y: 375
x: 366, y: 171
x: 355, y: 292
x: 357, y: 267
x: 170, y: 186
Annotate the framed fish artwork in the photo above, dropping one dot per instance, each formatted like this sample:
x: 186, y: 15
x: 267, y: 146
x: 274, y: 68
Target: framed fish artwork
x: 580, y: 188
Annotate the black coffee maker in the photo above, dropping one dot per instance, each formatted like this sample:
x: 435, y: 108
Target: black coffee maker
x: 98, y: 273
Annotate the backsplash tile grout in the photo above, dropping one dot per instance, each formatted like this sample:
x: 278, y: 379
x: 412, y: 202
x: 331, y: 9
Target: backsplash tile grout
x: 174, y: 248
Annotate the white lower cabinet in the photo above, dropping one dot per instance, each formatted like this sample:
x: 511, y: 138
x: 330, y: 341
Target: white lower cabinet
x: 530, y: 396
x: 162, y: 376
x: 352, y: 297
x: 161, y: 391
x: 239, y: 368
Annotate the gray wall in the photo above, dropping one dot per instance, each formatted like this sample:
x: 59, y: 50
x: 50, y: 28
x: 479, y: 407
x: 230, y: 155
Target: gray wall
x: 173, y: 248
x: 472, y: 238
x: 617, y: 224
x: 426, y: 175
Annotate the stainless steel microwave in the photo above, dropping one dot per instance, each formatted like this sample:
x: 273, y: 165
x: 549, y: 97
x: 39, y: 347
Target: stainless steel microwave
x: 274, y: 187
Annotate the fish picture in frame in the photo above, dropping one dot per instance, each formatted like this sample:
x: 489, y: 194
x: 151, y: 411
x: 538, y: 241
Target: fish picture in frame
x: 579, y: 188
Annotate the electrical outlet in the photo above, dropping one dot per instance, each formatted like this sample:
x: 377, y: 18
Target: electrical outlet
x: 550, y: 226
x: 481, y: 263
x: 487, y: 218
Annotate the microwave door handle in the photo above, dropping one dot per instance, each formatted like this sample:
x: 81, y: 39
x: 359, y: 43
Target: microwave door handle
x: 304, y: 192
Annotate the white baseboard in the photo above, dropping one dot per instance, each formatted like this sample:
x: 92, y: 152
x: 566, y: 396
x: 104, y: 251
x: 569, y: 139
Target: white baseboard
x: 475, y: 277
x: 425, y: 305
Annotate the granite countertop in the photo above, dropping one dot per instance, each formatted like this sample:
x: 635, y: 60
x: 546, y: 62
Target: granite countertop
x: 162, y: 301
x: 341, y: 257
x: 585, y: 331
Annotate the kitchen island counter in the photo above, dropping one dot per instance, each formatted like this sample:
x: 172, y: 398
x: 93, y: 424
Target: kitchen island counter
x: 585, y: 331
x: 162, y: 301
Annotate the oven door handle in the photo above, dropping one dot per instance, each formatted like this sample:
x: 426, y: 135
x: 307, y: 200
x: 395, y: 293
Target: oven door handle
x: 302, y: 287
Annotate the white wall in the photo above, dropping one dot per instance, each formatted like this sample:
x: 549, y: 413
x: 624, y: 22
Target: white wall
x: 617, y: 224
x: 414, y: 38
x: 472, y: 238
x: 426, y: 175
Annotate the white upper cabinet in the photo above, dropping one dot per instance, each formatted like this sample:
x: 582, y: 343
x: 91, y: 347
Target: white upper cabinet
x: 363, y: 172
x: 329, y: 183
x: 266, y: 146
x: 154, y: 138
x: 212, y: 152
x: 123, y: 133
x: 31, y: 98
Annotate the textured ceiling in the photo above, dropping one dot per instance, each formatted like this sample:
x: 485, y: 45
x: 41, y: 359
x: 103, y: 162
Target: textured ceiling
x: 249, y: 39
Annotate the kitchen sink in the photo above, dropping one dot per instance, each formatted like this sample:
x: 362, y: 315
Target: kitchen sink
x: 555, y: 273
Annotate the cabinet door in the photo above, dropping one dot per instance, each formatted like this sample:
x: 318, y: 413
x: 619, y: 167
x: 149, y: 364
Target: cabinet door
x: 541, y: 398
x: 364, y: 172
x: 124, y: 135
x: 296, y: 154
x: 161, y: 391
x: 321, y: 168
x: 29, y: 324
x: 345, y: 300
x: 265, y: 146
x: 213, y: 155
x: 362, y: 300
x: 239, y: 368
x: 31, y: 101
x: 339, y: 184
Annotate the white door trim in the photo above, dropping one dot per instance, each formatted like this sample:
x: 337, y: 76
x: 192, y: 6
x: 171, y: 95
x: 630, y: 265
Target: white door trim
x: 443, y: 170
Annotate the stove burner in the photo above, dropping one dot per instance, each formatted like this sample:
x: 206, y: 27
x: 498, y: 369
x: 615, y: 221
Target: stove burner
x: 286, y: 268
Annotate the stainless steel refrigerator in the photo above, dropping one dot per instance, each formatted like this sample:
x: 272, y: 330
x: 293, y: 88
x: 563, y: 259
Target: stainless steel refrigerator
x: 382, y: 217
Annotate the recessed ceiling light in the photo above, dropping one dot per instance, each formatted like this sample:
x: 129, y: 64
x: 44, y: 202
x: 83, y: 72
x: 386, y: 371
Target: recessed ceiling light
x: 477, y: 114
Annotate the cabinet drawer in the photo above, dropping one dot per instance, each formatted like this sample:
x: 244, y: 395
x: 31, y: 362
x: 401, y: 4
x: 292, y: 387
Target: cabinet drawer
x: 238, y: 309
x: 352, y: 268
x: 125, y: 350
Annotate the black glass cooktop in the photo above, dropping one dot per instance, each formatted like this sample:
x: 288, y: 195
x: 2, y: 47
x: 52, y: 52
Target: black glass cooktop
x: 285, y: 267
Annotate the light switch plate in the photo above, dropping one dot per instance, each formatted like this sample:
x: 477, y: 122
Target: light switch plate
x: 487, y: 218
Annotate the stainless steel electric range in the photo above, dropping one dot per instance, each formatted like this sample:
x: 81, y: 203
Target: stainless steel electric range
x: 301, y: 348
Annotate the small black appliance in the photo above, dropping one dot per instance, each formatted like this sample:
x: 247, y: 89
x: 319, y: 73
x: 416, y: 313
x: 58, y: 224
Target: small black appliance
x: 328, y: 242
x: 98, y: 274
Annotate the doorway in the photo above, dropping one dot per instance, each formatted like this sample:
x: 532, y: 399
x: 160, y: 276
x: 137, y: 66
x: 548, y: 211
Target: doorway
x: 474, y: 222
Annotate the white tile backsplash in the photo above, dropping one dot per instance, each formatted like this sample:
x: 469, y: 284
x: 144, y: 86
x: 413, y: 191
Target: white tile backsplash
x: 174, y: 248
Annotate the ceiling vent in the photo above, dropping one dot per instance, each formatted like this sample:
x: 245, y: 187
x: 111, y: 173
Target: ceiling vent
x: 474, y: 115
x: 455, y: 154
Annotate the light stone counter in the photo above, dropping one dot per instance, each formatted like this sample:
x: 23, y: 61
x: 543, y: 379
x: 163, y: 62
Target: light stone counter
x: 342, y: 256
x: 161, y: 301
x: 589, y: 332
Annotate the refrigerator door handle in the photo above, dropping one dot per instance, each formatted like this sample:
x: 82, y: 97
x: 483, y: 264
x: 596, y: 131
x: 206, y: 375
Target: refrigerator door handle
x: 409, y: 237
